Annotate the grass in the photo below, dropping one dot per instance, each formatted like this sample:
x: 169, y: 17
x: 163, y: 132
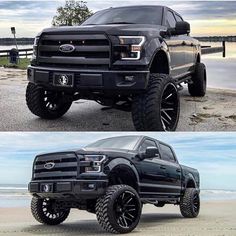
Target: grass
x: 22, y: 63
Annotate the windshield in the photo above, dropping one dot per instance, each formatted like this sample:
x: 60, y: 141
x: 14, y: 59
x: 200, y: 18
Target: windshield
x: 126, y: 142
x: 127, y: 15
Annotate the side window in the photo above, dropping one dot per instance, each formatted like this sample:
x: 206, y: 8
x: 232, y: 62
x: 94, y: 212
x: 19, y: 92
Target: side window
x: 147, y: 143
x: 167, y: 153
x: 178, y: 18
x: 171, y: 22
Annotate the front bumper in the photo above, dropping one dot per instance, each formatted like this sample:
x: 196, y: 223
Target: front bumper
x: 74, y: 189
x: 96, y: 80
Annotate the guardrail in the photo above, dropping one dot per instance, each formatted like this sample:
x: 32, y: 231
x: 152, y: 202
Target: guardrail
x: 22, y: 52
x: 210, y: 50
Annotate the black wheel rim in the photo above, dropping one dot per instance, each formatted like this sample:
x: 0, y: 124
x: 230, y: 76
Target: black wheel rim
x: 169, y: 107
x: 52, y: 100
x: 126, y: 209
x: 50, y: 211
x: 196, y: 203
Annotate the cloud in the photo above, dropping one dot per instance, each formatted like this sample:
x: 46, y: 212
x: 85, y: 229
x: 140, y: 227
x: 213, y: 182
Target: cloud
x: 206, y: 17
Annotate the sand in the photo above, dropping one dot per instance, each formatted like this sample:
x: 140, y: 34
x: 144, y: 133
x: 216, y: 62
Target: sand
x: 217, y: 218
x: 214, y: 112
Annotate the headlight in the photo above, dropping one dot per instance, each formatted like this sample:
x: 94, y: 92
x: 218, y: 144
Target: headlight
x: 36, y: 40
x: 95, y: 162
x: 135, y: 44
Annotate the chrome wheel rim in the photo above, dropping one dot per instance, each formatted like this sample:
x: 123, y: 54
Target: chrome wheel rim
x: 126, y: 209
x: 169, y: 107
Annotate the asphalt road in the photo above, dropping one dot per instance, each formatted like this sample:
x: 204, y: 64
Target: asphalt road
x: 215, y: 112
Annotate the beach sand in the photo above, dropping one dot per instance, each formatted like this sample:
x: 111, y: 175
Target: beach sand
x: 214, y: 112
x: 217, y: 218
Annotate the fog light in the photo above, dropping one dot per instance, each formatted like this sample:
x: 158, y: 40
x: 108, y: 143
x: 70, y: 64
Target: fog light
x: 129, y: 78
x: 91, y: 186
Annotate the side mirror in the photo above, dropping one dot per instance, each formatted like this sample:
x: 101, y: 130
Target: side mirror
x: 151, y: 152
x: 182, y: 27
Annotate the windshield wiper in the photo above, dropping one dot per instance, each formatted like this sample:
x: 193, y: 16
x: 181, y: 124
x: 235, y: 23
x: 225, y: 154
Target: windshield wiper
x: 120, y: 22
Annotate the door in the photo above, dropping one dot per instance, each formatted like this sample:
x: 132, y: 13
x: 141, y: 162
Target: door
x: 173, y: 178
x: 176, y: 47
x: 152, y: 175
x: 189, y: 48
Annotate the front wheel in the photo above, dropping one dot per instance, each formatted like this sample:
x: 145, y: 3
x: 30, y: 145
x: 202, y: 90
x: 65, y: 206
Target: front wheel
x: 45, y: 211
x: 157, y: 109
x: 119, y: 210
x: 190, y: 203
x: 46, y: 104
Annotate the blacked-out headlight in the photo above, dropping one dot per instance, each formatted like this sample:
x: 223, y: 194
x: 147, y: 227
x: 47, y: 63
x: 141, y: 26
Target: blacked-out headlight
x: 96, y: 162
x: 133, y: 45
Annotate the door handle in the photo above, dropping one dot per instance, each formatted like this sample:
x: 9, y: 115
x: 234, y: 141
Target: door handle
x: 178, y: 170
x: 163, y: 167
x: 184, y: 43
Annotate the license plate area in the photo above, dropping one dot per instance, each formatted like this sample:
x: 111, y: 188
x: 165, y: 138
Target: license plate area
x: 46, y: 188
x: 63, y: 79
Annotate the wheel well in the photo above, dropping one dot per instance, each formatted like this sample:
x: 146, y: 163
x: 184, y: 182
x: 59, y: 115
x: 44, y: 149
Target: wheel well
x: 127, y: 177
x: 160, y: 63
x: 198, y: 58
x: 190, y: 184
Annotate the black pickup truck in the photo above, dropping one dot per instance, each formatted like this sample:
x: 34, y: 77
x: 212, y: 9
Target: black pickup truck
x: 113, y: 178
x: 133, y: 58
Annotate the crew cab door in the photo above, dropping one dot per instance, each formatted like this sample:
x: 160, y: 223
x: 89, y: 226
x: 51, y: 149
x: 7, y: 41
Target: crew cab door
x: 173, y: 177
x: 176, y: 47
x: 152, y: 174
x: 190, y: 48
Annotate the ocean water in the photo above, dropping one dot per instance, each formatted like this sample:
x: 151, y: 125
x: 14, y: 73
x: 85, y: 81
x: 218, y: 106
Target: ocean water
x: 220, y: 71
x: 18, y: 196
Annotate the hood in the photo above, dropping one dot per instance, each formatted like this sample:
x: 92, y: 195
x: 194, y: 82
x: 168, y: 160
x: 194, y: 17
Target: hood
x: 110, y: 152
x: 113, y: 29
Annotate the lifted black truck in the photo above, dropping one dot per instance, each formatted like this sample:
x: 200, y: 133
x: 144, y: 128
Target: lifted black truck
x: 133, y: 58
x: 113, y: 178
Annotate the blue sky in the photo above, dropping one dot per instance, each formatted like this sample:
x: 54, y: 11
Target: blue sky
x: 30, y: 17
x: 213, y: 154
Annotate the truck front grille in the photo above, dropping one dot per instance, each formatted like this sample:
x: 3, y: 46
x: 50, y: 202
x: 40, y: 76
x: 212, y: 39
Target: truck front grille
x: 90, y: 50
x: 65, y: 166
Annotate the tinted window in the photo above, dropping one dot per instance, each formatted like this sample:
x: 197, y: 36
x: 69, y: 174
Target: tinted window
x: 178, y: 18
x: 125, y: 142
x: 166, y: 153
x: 133, y: 15
x: 147, y: 143
x: 171, y: 19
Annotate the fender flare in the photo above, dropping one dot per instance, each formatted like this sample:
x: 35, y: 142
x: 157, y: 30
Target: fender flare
x: 115, y: 163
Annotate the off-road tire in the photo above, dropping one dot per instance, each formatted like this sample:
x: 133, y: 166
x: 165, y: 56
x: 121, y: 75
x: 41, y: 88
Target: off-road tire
x: 147, y: 107
x: 41, y: 217
x: 106, y: 210
x: 35, y: 100
x: 187, y: 208
x: 199, y: 81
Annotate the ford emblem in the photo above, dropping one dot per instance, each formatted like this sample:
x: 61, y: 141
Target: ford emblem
x: 67, y: 48
x: 49, y: 165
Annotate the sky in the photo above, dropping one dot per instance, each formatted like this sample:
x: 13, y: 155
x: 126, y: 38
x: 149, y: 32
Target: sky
x: 213, y: 153
x: 30, y: 17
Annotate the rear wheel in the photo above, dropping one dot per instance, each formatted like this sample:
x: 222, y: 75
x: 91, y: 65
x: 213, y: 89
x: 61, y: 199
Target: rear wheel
x: 158, y: 108
x: 46, y: 212
x: 46, y: 104
x: 190, y: 203
x: 119, y: 210
x: 199, y: 81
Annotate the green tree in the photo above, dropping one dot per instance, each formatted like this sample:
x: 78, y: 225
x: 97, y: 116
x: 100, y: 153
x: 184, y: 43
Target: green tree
x: 73, y: 13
